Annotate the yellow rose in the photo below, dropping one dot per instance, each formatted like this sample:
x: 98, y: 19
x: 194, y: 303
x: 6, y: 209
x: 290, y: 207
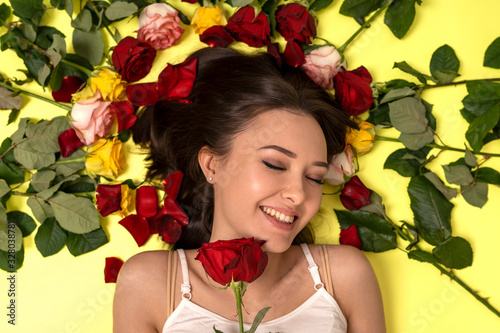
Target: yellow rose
x: 206, y: 17
x: 108, y: 82
x: 106, y: 158
x: 361, y: 140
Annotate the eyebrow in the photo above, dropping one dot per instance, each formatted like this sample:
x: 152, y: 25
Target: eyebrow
x: 292, y: 154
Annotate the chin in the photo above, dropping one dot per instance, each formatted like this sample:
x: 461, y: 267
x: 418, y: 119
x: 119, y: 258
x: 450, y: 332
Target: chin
x: 275, y: 246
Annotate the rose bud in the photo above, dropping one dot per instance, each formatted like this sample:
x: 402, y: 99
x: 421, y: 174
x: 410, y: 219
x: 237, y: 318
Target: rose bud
x: 293, y: 56
x: 355, y: 194
x: 233, y: 260
x: 341, y: 166
x: 293, y: 21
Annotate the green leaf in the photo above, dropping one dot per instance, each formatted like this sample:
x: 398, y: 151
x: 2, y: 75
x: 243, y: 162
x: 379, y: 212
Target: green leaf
x: 80, y: 185
x: 50, y: 237
x: 399, y: 17
x: 25, y: 222
x: 318, y: 5
x: 68, y: 169
x: 492, y: 55
x: 32, y: 159
x: 41, y: 210
x: 240, y: 3
x: 4, y: 188
x: 82, y: 243
x: 470, y: 159
x: 34, y: 61
x: 408, y: 115
x: 27, y: 9
x: 11, y: 237
x: 43, y: 74
x: 4, y: 13
x: 431, y: 210
x: 120, y: 9
x: 11, y: 262
x: 46, y: 194
x: 258, y: 319
x: 13, y: 115
x: 458, y: 174
x: 444, y: 59
x: 18, y: 135
x: 9, y: 101
x: 480, y: 126
x: 375, y: 233
x: 444, y: 76
x: 74, y: 214
x: 422, y: 256
x: 43, y: 136
x: 406, y: 162
x: 216, y: 330
x: 380, y: 116
x: 410, y: 70
x: 42, y: 180
x: 488, y: 175
x: 476, y: 194
x: 11, y: 173
x: 89, y: 45
x: 376, y: 206
x: 483, y: 96
x: 454, y: 253
x: 359, y: 8
x: 396, y: 94
x: 83, y: 21
x: 448, y: 192
x: 29, y: 32
x: 416, y: 141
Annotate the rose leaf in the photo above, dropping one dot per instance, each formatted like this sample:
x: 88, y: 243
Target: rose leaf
x: 6, y: 260
x: 416, y: 141
x: 483, y: 95
x: 458, y: 174
x: 444, y: 59
x: 448, y: 192
x: 422, y: 256
x: 480, y: 126
x: 399, y: 17
x: 89, y: 45
x: 9, y: 101
x: 120, y: 9
x: 470, y: 159
x: 42, y: 180
x: 476, y: 194
x: 23, y: 221
x: 83, y: 21
x: 75, y: 214
x: 431, y: 210
x: 9, y: 234
x: 359, y: 8
x: 50, y: 237
x: 82, y: 243
x: 455, y: 253
x: 41, y: 210
x: 492, y: 54
x: 43, y: 136
x: 403, y: 65
x: 488, y: 175
x: 408, y: 115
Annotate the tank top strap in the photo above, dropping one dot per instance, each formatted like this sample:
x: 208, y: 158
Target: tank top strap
x: 185, y: 286
x: 313, y: 268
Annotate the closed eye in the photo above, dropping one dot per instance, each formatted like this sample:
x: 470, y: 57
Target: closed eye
x: 318, y: 181
x: 272, y: 166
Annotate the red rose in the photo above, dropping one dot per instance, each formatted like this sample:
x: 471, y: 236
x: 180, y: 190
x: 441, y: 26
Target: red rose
x: 112, y: 268
x: 109, y: 198
x: 125, y: 116
x: 216, y: 36
x: 133, y: 59
x: 233, y: 260
x: 293, y: 21
x: 353, y: 91
x: 350, y: 236
x: 245, y: 27
x: 68, y: 142
x: 293, y: 55
x: 355, y: 194
x: 166, y: 226
x: 69, y: 86
x: 146, y: 201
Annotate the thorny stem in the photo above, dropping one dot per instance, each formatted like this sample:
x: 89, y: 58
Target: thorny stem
x: 27, y: 93
x: 364, y: 26
x: 442, y: 147
x: 438, y: 85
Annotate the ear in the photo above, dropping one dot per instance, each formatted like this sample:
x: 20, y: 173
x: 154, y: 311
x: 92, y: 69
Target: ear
x: 207, y: 161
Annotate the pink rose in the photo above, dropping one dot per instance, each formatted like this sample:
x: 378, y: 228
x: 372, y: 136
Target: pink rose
x: 322, y: 64
x: 341, y: 165
x: 159, y: 26
x: 92, y: 118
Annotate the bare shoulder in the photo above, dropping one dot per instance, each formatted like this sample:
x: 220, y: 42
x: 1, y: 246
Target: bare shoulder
x: 356, y: 289
x: 141, y: 292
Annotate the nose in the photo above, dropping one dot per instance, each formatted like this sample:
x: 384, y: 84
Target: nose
x: 295, y: 192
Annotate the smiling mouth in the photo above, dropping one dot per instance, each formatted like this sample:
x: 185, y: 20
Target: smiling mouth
x: 278, y: 216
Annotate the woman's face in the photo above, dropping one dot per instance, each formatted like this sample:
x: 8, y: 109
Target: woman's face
x: 269, y: 186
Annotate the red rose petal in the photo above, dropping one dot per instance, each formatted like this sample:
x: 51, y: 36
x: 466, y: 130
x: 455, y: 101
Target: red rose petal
x: 244, y: 26
x: 68, y: 142
x: 124, y: 112
x: 109, y: 198
x: 170, y: 229
x: 111, y: 269
x: 138, y: 227
x: 350, y: 236
x: 142, y: 94
x: 274, y: 50
x: 172, y: 184
x: 176, y: 82
x: 172, y: 208
x: 69, y: 86
x: 146, y: 201
x: 355, y: 194
x: 216, y: 36
x: 293, y: 56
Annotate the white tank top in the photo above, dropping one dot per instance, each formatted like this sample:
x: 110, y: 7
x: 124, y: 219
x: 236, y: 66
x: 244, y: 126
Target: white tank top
x: 319, y: 313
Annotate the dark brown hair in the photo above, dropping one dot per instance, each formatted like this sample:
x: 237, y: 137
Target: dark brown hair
x: 230, y: 90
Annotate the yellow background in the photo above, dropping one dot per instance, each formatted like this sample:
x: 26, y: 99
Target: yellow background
x: 62, y: 293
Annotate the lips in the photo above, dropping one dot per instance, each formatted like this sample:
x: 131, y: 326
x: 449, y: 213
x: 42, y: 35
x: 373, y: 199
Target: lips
x: 279, y: 216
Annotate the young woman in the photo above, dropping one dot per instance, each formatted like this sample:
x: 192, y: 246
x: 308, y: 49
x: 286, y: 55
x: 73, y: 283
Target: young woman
x: 254, y: 146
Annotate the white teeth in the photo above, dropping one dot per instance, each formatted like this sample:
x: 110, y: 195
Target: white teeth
x: 278, y: 215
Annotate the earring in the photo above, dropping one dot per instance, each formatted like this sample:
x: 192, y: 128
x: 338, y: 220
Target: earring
x: 210, y: 178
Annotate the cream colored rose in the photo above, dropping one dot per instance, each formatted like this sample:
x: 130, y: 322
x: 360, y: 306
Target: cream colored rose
x: 159, y: 26
x: 322, y: 64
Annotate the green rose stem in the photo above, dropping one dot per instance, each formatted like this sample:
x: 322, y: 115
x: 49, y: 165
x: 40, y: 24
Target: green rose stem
x: 85, y: 70
x: 237, y: 287
x: 404, y: 235
x: 438, y: 85
x: 71, y: 160
x: 364, y: 26
x: 445, y: 147
x: 27, y: 93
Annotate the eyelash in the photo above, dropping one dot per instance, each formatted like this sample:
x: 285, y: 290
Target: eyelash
x: 274, y: 167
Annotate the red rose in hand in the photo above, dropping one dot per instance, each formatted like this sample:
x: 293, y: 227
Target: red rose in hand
x: 233, y: 260
x: 353, y: 91
x: 253, y: 30
x: 133, y: 59
x: 293, y: 21
x: 355, y: 194
x: 350, y: 236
